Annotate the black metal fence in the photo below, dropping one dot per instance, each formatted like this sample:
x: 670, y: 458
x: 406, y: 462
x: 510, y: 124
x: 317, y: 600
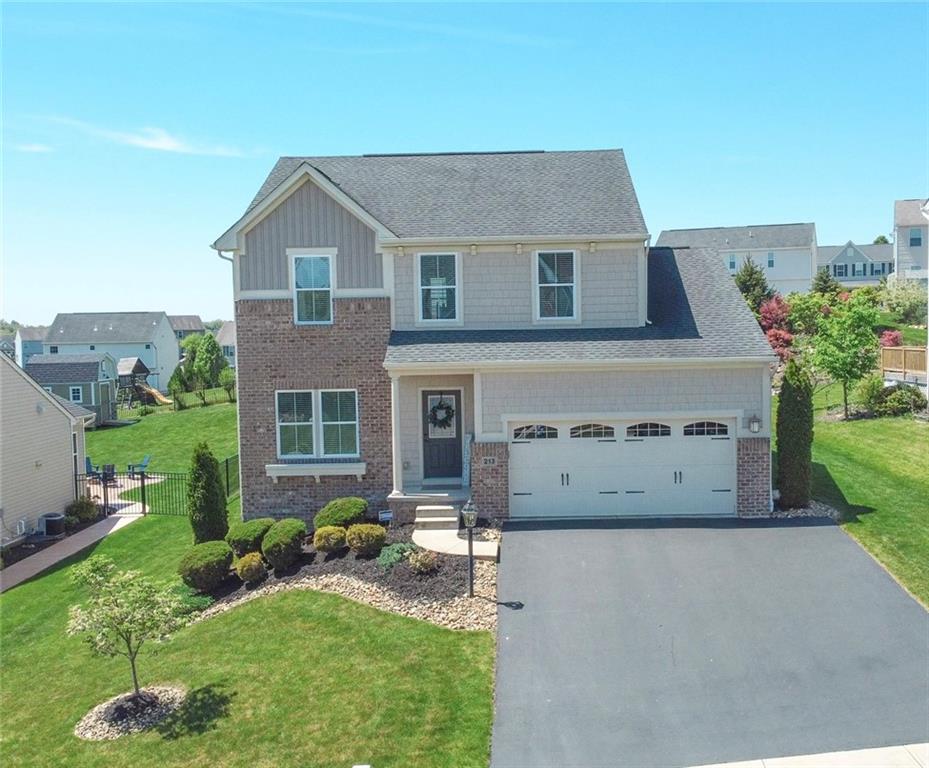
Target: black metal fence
x: 154, y: 493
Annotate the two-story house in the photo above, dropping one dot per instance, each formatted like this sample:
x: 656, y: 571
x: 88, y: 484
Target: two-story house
x: 146, y: 335
x: 88, y: 379
x: 413, y: 328
x: 786, y: 252
x: 186, y: 325
x: 853, y: 265
x: 28, y: 342
x: 225, y: 337
x: 911, y: 239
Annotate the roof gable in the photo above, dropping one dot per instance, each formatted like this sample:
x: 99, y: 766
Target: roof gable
x: 911, y: 213
x: 29, y: 381
x: 67, y: 369
x: 186, y: 323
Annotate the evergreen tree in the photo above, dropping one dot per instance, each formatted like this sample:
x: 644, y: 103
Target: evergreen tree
x: 753, y: 284
x: 206, y: 498
x: 795, y: 436
x: 825, y: 283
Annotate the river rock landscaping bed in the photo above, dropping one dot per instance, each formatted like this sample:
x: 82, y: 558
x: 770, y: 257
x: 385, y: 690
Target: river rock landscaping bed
x: 125, y: 714
x: 439, y: 597
x: 816, y: 509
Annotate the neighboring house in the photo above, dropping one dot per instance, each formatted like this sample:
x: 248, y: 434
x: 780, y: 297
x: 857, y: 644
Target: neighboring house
x: 185, y: 325
x: 420, y: 328
x: 853, y: 265
x: 28, y: 342
x: 87, y: 379
x: 146, y: 335
x: 786, y: 252
x: 8, y: 345
x: 225, y: 337
x: 911, y: 238
x: 41, y: 449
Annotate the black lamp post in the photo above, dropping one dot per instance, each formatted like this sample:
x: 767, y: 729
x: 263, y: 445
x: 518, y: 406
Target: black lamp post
x: 469, y: 517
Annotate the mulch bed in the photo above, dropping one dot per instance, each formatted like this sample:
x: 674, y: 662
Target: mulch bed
x: 27, y: 548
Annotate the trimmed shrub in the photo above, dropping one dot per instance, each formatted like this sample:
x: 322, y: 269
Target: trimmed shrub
x: 344, y: 512
x: 190, y: 600
x: 891, y: 339
x: 251, y: 568
x: 365, y: 538
x: 206, y: 499
x: 900, y: 400
x: 246, y: 537
x: 870, y: 393
x: 423, y: 561
x: 206, y: 565
x: 394, y: 553
x: 795, y: 437
x: 283, y: 543
x: 83, y: 509
x: 71, y: 522
x: 329, y: 538
x: 774, y: 314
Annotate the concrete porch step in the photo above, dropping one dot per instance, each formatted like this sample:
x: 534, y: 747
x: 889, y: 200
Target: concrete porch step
x: 449, y: 543
x: 435, y: 510
x: 437, y: 523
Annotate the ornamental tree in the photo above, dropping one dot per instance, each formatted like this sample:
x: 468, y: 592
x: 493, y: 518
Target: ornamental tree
x: 124, y: 611
x: 774, y: 313
x: 891, y: 339
x: 794, y: 436
x: 753, y: 284
x: 209, y: 361
x: 206, y: 498
x: 845, y: 346
x: 806, y: 310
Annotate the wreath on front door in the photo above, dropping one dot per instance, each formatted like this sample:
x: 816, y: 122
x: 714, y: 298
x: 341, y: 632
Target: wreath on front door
x: 441, y: 414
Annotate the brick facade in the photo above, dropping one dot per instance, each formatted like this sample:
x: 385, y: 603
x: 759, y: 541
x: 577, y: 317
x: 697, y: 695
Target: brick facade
x: 273, y: 354
x: 754, y: 476
x: 490, y: 479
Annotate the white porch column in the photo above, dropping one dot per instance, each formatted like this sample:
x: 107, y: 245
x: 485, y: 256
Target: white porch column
x: 395, y: 433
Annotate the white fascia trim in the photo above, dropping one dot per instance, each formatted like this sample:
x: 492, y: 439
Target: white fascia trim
x: 582, y: 365
x: 593, y: 416
x: 395, y: 241
x: 354, y: 469
x: 229, y: 240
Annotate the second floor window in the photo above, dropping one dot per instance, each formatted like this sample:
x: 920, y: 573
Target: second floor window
x: 76, y: 395
x: 312, y: 289
x: 916, y: 237
x: 556, y: 285
x: 770, y: 260
x: 438, y: 286
x: 53, y: 350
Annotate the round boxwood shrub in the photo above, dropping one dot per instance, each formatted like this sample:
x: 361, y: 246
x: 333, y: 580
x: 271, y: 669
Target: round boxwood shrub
x: 423, y: 561
x: 283, y: 542
x: 329, y: 538
x: 344, y: 512
x: 365, y: 538
x: 83, y: 509
x: 246, y: 537
x: 899, y: 400
x: 204, y: 566
x: 251, y: 568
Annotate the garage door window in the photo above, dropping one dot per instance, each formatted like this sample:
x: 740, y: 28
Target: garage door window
x: 535, y: 432
x: 592, y: 430
x: 706, y: 428
x: 648, y: 429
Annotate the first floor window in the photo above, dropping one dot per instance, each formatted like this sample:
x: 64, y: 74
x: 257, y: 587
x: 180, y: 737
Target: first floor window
x: 840, y: 270
x: 859, y: 269
x: 916, y: 237
x: 317, y: 424
x: 556, y: 284
x: 313, y: 289
x: 53, y: 350
x: 76, y: 395
x: 438, y: 286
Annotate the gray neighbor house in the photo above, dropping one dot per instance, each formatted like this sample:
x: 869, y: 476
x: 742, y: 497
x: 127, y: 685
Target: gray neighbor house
x: 88, y: 379
x: 853, y: 264
x: 420, y: 329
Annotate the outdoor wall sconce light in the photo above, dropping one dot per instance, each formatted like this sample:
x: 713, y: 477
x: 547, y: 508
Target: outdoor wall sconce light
x: 754, y: 425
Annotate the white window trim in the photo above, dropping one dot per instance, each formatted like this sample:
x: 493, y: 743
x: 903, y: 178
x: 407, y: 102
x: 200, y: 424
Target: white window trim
x: 80, y: 394
x: 536, y: 308
x: 770, y: 262
x: 732, y: 262
x: 295, y: 253
x: 317, y: 424
x: 418, y: 288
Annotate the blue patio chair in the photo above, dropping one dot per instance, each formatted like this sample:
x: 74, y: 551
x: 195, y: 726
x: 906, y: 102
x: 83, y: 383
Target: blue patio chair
x: 92, y: 471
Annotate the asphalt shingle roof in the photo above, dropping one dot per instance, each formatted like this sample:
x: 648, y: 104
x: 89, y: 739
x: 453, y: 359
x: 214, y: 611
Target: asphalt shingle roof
x: 32, y: 332
x: 126, y: 366
x: 64, y: 369
x: 695, y: 308
x: 225, y: 336
x: 741, y: 238
x: 484, y: 194
x: 875, y: 252
x: 909, y: 213
x: 103, y: 327
x: 186, y: 323
x: 74, y: 409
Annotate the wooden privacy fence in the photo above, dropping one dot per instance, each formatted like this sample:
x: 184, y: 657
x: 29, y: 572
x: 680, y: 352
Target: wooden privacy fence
x: 908, y: 363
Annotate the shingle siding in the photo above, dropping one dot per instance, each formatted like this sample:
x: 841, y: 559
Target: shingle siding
x: 309, y: 218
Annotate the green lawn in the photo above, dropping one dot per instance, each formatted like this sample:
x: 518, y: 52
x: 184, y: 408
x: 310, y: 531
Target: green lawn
x: 912, y: 336
x: 295, y: 679
x: 168, y: 436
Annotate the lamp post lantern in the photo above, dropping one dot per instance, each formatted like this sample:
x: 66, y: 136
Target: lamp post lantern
x: 469, y: 517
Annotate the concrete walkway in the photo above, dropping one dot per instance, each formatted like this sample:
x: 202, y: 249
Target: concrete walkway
x: 908, y: 756
x: 448, y: 542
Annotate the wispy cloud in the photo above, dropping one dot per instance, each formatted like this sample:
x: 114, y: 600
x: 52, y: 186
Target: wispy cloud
x: 477, y: 34
x: 33, y: 148
x: 157, y: 139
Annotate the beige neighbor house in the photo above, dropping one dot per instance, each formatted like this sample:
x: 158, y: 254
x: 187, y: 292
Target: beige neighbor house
x: 786, y: 252
x: 41, y: 448
x: 416, y: 328
x: 911, y: 239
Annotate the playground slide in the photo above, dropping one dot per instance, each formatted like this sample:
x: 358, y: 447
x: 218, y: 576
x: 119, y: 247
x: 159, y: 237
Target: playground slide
x: 158, y: 397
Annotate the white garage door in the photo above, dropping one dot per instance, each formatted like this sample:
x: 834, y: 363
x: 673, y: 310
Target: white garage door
x: 666, y: 467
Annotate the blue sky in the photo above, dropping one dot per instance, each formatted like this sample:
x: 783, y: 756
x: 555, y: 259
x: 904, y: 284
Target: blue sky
x: 133, y: 135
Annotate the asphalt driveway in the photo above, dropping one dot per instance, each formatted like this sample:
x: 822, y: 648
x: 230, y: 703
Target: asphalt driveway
x: 682, y: 643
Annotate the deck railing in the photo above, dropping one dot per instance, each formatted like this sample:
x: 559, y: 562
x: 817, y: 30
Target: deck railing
x: 906, y: 363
